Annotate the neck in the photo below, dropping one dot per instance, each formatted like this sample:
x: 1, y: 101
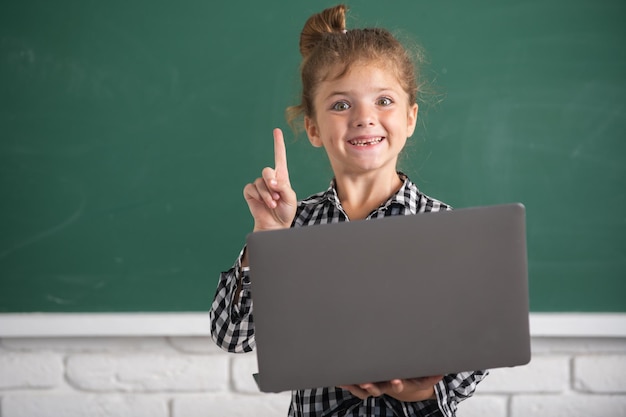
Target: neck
x: 361, y: 195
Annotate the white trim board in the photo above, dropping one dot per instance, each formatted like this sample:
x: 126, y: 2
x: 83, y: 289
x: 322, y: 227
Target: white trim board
x: 198, y: 324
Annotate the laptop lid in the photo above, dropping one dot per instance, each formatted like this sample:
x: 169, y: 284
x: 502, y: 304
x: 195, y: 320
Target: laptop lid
x: 395, y: 297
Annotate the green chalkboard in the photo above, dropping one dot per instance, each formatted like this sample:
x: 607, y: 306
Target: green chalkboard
x: 128, y: 130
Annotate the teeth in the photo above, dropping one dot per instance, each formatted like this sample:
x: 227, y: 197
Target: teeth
x: 372, y: 141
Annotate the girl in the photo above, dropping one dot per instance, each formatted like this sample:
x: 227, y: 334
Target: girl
x: 359, y: 93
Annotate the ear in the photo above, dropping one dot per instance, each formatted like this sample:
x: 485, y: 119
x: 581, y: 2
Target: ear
x: 412, y: 119
x: 312, y: 132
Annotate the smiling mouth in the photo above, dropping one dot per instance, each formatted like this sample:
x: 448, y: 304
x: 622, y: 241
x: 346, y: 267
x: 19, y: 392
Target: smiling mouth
x: 366, y: 142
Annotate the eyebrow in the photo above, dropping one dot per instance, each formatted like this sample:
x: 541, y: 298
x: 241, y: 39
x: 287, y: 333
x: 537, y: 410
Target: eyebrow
x: 338, y: 93
x: 347, y: 93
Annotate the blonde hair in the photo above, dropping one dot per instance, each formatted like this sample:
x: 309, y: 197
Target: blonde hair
x: 328, y: 49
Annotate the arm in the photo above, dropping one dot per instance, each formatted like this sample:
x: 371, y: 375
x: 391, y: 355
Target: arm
x: 449, y: 392
x: 232, y: 325
x: 433, y: 396
x: 272, y: 203
x: 454, y: 388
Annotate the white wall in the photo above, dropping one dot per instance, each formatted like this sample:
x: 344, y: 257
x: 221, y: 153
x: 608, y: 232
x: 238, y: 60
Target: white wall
x: 187, y: 376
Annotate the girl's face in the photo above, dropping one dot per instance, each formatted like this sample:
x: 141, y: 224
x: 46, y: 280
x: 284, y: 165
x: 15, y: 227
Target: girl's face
x: 362, y: 120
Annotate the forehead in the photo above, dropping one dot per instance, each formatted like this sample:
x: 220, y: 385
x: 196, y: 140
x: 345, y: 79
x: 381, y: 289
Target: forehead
x: 360, y: 76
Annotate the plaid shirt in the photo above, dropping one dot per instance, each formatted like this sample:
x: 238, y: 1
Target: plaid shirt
x: 232, y: 325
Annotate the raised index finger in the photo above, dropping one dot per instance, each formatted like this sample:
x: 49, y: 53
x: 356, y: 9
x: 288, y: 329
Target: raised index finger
x: 280, y: 156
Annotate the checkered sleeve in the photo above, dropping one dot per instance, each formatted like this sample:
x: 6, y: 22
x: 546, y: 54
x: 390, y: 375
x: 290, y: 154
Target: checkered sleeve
x: 454, y: 388
x: 232, y: 324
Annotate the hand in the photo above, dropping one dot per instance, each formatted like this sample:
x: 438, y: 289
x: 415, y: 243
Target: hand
x: 271, y: 200
x: 409, y: 390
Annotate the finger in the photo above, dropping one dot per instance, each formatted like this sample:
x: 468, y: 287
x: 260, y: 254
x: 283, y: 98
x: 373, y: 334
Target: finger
x: 251, y: 193
x: 397, y: 385
x: 260, y: 191
x: 280, y: 156
x: 269, y: 177
x: 356, y: 391
x: 372, y: 389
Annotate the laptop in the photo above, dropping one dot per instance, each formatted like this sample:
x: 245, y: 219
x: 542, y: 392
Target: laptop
x: 396, y: 297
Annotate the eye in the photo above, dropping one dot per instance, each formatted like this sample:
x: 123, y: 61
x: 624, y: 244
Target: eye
x: 340, y: 106
x: 384, y: 101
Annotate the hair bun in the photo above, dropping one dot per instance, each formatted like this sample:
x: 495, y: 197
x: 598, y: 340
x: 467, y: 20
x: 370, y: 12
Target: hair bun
x: 331, y: 20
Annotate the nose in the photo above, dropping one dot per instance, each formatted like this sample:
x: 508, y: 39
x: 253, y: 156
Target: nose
x: 363, y: 116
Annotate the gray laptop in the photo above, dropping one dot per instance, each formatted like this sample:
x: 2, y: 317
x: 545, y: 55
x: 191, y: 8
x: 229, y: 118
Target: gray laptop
x: 397, y: 297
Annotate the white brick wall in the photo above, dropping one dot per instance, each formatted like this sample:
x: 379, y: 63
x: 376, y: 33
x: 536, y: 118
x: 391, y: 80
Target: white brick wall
x: 190, y: 377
